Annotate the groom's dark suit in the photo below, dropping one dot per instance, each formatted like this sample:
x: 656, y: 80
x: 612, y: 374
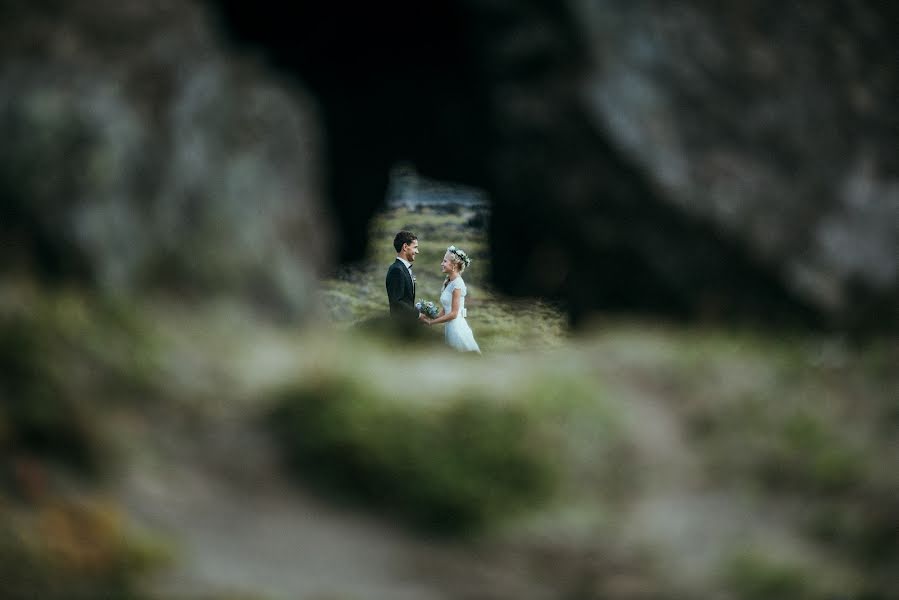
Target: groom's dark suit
x: 401, y: 293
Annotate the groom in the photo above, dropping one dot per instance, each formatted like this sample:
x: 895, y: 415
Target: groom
x: 401, y: 281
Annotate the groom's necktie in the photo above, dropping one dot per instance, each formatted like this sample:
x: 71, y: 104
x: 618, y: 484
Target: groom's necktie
x: 412, y: 275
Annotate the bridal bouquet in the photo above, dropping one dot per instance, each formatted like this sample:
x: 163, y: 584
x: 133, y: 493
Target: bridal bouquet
x: 427, y: 308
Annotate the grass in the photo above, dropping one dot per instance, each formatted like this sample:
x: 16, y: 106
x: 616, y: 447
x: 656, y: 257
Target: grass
x: 756, y: 576
x: 786, y: 419
x: 500, y: 324
x: 66, y: 359
x: 804, y: 421
x: 593, y: 445
x: 800, y: 441
x: 464, y: 447
x: 70, y: 550
x: 62, y: 356
x: 450, y: 466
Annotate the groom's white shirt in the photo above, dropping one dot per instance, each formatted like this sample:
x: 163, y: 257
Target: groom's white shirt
x: 408, y: 265
x: 408, y: 268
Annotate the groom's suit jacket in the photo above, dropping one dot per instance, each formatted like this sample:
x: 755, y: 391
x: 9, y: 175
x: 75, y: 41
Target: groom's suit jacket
x: 401, y: 292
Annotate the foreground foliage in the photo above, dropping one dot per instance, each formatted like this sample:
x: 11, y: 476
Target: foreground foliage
x: 637, y: 459
x: 449, y: 468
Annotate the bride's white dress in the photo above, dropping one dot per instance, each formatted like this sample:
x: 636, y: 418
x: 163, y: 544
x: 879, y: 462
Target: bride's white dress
x: 457, y: 333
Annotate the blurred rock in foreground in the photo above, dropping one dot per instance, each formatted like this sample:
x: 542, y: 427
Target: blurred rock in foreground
x: 139, y: 155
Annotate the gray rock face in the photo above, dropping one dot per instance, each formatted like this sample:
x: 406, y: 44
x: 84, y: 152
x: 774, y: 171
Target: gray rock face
x: 139, y: 155
x: 687, y: 159
x: 773, y: 121
x: 577, y: 216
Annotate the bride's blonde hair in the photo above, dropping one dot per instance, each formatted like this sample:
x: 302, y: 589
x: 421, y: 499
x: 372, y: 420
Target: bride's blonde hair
x: 459, y: 258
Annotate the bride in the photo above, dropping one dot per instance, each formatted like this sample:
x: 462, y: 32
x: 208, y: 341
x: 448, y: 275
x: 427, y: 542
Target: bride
x: 457, y: 334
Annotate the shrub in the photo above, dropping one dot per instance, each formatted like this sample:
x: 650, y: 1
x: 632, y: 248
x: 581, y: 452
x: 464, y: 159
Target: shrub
x: 37, y: 415
x: 73, y: 551
x: 811, y: 455
x: 63, y: 358
x: 752, y: 576
x: 448, y: 468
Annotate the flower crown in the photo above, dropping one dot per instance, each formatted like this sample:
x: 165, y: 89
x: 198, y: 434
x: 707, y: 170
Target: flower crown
x: 466, y: 260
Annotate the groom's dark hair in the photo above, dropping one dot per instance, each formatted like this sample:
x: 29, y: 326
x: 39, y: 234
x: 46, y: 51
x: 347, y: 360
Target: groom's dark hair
x: 402, y: 238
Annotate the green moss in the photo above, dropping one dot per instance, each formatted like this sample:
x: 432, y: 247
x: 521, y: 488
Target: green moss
x: 762, y: 573
x: 62, y: 357
x: 803, y: 423
x: 449, y: 468
x: 38, y: 415
x: 862, y: 526
x: 785, y: 445
x: 65, y: 551
x: 753, y: 576
x: 808, y: 454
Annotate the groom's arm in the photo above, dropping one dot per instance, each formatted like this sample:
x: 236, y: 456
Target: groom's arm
x: 395, y: 286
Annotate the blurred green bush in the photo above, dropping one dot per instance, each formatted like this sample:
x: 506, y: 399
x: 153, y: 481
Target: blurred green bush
x: 66, y: 359
x: 72, y: 551
x: 755, y: 576
x: 448, y: 468
x: 62, y: 358
x: 38, y: 415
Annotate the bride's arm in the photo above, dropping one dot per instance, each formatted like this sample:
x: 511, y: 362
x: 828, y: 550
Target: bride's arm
x: 454, y: 310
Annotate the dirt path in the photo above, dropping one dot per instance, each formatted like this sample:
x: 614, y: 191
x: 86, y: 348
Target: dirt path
x: 213, y: 486
x: 239, y: 525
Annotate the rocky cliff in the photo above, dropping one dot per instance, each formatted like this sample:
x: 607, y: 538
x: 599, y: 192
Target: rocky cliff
x: 691, y: 160
x: 688, y: 160
x: 140, y: 154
